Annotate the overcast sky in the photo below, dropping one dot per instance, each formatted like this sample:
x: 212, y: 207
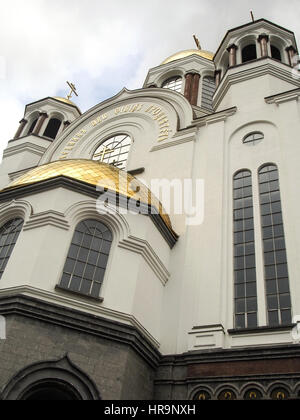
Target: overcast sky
x: 104, y: 45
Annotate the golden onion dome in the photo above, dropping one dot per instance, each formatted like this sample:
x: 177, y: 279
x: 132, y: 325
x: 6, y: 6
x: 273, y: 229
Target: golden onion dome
x: 94, y: 173
x: 186, y: 53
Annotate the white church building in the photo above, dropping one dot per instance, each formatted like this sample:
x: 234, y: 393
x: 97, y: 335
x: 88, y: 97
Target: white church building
x: 107, y: 289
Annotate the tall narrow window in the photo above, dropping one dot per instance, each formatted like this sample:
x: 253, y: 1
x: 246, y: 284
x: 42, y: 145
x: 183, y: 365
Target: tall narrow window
x: 249, y: 53
x: 87, y: 258
x: 244, y: 252
x: 208, y: 90
x: 114, y: 151
x: 52, y: 128
x: 174, y: 83
x: 275, y: 261
x: 8, y: 237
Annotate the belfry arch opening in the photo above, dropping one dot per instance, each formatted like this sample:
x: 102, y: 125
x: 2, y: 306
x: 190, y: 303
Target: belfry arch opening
x: 249, y: 53
x: 52, y: 128
x: 275, y: 53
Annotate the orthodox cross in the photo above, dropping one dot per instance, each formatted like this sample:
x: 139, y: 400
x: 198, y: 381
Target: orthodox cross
x: 73, y: 90
x: 103, y: 153
x: 197, y: 42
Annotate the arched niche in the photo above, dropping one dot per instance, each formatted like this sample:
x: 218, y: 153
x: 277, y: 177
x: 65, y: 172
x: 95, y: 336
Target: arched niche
x: 51, y: 380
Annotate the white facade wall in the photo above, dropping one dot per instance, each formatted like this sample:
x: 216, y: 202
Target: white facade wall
x: 182, y: 299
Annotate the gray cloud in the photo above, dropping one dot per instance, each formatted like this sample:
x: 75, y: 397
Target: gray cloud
x: 103, y: 46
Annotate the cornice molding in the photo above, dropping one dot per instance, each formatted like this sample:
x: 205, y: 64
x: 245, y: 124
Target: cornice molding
x: 183, y: 136
x: 291, y: 95
x: 88, y: 190
x: 269, y: 67
x: 176, y: 65
x: 24, y: 147
x: 143, y: 248
x: 76, y: 314
x: 216, y: 117
x: 58, y: 104
x: 51, y: 217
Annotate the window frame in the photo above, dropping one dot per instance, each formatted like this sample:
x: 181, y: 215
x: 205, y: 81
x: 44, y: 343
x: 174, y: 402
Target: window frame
x: 5, y: 256
x: 82, y: 257
x: 244, y: 252
x: 275, y: 264
x: 175, y: 79
x: 110, y: 138
x: 253, y: 142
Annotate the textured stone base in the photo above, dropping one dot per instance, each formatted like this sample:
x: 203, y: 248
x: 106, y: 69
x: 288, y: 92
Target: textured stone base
x: 107, y: 360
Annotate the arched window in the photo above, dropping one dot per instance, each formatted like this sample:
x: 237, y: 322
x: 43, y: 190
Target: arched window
x: 245, y: 292
x: 208, y: 90
x: 32, y: 127
x: 253, y: 138
x: 249, y: 53
x: 87, y: 258
x: 174, y: 83
x: 275, y: 260
x: 52, y: 128
x: 114, y: 151
x: 8, y: 237
x: 275, y: 53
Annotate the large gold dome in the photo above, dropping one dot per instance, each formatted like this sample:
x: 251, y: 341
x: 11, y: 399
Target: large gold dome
x: 186, y: 53
x: 93, y: 173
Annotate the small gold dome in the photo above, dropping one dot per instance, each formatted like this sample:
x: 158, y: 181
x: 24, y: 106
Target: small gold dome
x: 186, y: 53
x: 65, y: 100
x: 93, y: 173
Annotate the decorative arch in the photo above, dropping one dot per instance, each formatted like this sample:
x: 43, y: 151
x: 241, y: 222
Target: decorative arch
x: 268, y: 128
x: 15, y: 209
x: 280, y: 44
x: 168, y: 74
x: 224, y: 62
x: 245, y: 41
x: 110, y: 216
x: 54, y: 375
x: 32, y: 121
x: 226, y: 388
x: 279, y: 387
x: 206, y: 390
x: 253, y: 386
x: 112, y: 115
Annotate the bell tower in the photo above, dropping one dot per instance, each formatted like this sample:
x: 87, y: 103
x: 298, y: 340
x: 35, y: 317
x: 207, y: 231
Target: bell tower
x: 259, y: 50
x: 43, y: 122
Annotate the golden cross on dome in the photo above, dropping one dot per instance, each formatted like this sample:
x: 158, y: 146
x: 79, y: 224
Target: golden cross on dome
x: 197, y: 42
x: 73, y: 90
x: 103, y: 153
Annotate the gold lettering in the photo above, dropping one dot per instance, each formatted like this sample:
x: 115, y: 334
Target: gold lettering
x: 159, y: 115
x: 149, y: 109
x: 165, y: 121
x: 162, y: 138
